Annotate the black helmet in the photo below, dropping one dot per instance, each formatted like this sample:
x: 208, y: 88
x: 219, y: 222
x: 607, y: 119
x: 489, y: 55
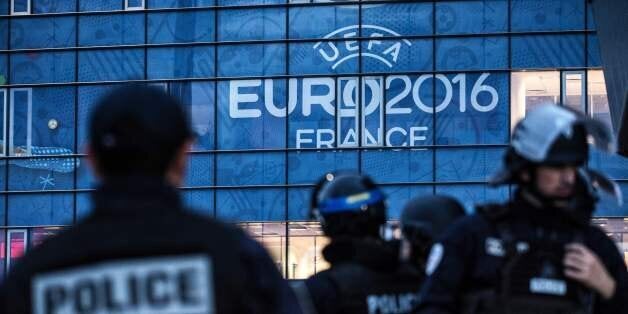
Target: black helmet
x: 424, y: 218
x: 348, y: 204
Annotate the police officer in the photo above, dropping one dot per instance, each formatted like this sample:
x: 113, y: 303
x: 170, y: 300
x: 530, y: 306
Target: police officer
x: 365, y: 275
x: 423, y: 220
x: 141, y: 251
x: 537, y: 253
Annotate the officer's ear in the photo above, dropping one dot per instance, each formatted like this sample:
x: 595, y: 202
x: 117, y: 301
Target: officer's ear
x: 93, y: 163
x: 175, y: 174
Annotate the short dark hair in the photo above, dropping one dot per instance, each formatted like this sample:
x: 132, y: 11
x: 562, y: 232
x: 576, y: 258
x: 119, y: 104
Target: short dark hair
x: 136, y: 130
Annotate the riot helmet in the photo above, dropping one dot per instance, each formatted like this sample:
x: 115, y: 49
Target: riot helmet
x: 423, y: 220
x: 348, y: 204
x: 552, y: 135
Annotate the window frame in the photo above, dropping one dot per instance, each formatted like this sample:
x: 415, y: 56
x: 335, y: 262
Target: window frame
x: 28, y: 8
x: 3, y: 101
x: 29, y: 121
x: 583, y: 86
x: 130, y: 8
x: 8, y: 244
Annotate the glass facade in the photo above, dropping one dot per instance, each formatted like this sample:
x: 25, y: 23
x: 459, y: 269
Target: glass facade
x: 420, y: 95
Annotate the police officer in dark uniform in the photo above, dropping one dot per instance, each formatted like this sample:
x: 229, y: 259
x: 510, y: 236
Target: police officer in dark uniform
x: 365, y: 274
x: 141, y: 251
x: 537, y: 253
x: 423, y: 220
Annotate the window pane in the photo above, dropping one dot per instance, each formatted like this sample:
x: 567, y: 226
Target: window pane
x: 479, y: 115
x: 310, y: 166
x: 547, y: 51
x: 40, y: 209
x: 251, y: 204
x: 39, y: 235
x: 416, y: 17
x: 16, y: 245
x: 4, y: 105
x: 608, y: 207
x: 316, y: 22
x: 185, y: 62
x: 4, y: 74
x: 299, y: 200
x: 243, y: 118
x: 198, y: 100
x: 398, y: 195
x: 598, y: 99
x: 305, y: 256
x: 272, y: 236
x: 460, y: 17
x: 471, y: 195
x: 199, y: 201
x: 532, y: 89
x: 593, y: 53
x: 251, y: 24
x: 3, y: 251
x: 247, y: 2
x: 4, y: 9
x: 43, y: 67
x: 467, y: 164
x: 390, y: 166
x: 135, y: 4
x: 20, y: 128
x: 312, y: 124
x: 179, y: 3
x: 118, y: 29
x: 322, y: 57
x: 53, y: 6
x: 249, y: 60
x: 409, y: 102
x: 177, y: 27
x: 200, y: 170
x: 536, y: 15
x: 472, y: 53
x: 19, y: 6
x: 51, y: 32
x: 573, y: 90
x: 100, y: 5
x: 613, y: 165
x: 111, y: 65
x: 393, y: 55
x: 4, y: 34
x: 250, y: 169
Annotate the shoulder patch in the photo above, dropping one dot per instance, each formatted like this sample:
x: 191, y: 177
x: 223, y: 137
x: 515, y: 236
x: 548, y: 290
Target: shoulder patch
x: 156, y: 285
x: 436, y: 256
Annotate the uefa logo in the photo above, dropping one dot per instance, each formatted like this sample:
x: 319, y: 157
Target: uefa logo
x: 338, y: 52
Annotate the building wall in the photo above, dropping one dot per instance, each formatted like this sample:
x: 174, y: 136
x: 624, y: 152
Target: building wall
x: 422, y: 97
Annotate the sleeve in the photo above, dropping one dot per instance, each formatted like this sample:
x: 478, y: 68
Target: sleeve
x: 271, y: 291
x: 616, y: 267
x: 446, y: 268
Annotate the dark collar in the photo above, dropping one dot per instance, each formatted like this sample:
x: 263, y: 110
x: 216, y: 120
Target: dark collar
x: 373, y: 253
x: 135, y: 193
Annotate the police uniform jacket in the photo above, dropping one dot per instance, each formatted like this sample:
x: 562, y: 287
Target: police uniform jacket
x: 365, y: 277
x: 140, y: 251
x: 471, y: 257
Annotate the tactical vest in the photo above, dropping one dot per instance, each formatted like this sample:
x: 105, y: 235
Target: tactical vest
x: 362, y: 290
x: 532, y: 277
